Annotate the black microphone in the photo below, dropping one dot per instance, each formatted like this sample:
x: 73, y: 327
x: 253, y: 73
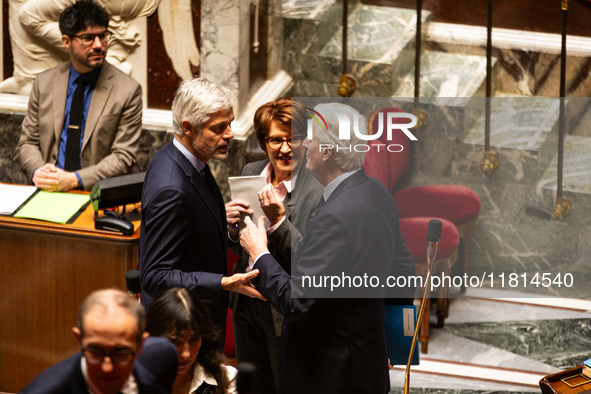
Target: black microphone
x: 245, y: 377
x: 133, y: 283
x: 433, y: 236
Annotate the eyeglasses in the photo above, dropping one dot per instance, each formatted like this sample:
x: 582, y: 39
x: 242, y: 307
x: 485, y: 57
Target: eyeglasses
x: 88, y: 39
x: 96, y: 355
x: 275, y: 143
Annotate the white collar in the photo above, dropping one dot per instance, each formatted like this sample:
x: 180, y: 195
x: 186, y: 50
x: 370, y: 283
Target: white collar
x: 129, y: 387
x: 336, y: 182
x: 289, y: 182
x: 195, y: 161
x: 200, y: 376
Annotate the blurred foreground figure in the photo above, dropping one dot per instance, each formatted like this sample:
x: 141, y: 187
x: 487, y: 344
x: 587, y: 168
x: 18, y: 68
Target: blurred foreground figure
x: 116, y: 355
x: 183, y: 319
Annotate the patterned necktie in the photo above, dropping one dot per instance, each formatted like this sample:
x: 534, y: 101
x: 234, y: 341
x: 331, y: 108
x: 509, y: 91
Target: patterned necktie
x: 72, y: 162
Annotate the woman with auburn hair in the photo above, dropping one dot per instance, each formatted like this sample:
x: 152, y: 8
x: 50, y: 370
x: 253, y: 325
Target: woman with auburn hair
x: 183, y: 319
x: 287, y: 201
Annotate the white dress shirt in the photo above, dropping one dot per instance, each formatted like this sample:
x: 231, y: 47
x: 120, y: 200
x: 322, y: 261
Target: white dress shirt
x: 200, y: 376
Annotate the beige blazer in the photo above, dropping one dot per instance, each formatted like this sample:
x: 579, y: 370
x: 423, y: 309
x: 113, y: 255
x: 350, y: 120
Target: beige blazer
x: 112, y: 131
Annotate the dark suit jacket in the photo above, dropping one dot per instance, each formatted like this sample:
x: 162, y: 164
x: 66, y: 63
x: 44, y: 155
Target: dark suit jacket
x: 338, y: 345
x: 183, y: 241
x: 154, y: 371
x: 298, y: 206
x: 112, y: 131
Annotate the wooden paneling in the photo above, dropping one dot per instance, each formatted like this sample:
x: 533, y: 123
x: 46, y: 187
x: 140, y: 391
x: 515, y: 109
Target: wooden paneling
x: 46, y: 271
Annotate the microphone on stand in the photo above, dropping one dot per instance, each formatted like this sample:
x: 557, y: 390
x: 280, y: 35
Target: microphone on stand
x: 433, y: 236
x: 133, y: 283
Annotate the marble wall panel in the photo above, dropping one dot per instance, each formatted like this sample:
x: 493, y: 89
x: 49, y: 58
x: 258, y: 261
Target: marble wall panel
x: 576, y: 167
x: 380, y: 49
x: 150, y: 142
x: 529, y: 73
x: 274, y: 39
x: 303, y: 36
x: 10, y: 167
x: 447, y: 75
x: 563, y: 343
x: 484, y: 388
x: 222, y: 36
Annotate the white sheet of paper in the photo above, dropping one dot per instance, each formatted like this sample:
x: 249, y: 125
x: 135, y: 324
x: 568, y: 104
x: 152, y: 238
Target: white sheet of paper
x: 247, y: 188
x: 13, y: 196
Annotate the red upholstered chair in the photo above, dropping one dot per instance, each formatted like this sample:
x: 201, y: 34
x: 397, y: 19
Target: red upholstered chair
x: 454, y: 205
x: 458, y: 204
x: 230, y: 347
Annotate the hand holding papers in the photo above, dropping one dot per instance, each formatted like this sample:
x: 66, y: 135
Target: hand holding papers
x: 246, y: 188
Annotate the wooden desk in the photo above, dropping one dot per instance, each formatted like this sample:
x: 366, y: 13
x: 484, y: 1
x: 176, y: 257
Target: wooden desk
x: 46, y: 271
x: 553, y: 384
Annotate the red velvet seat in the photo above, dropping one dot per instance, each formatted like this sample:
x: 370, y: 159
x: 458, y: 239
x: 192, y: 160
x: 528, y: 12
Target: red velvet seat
x: 415, y: 231
x: 454, y: 205
x: 230, y: 347
x: 458, y: 204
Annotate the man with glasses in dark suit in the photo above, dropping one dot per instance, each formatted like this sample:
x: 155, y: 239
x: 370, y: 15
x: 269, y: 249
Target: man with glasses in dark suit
x: 116, y: 354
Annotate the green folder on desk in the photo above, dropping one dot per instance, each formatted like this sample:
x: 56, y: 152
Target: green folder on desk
x: 53, y: 207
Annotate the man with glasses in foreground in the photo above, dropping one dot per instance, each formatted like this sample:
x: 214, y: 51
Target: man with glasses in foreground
x: 113, y: 344
x: 84, y: 117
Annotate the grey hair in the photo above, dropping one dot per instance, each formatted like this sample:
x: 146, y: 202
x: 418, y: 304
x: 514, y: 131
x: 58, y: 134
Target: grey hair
x: 196, y: 100
x: 108, y: 299
x: 347, y: 158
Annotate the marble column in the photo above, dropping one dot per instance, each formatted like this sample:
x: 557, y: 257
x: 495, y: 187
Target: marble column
x: 225, y: 59
x: 138, y: 57
x: 225, y: 45
x: 225, y: 42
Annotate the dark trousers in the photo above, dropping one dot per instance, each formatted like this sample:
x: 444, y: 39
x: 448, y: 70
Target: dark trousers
x: 256, y: 342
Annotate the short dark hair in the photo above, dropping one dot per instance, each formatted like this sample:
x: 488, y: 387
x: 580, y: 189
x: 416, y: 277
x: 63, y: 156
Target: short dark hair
x: 285, y: 110
x: 82, y: 15
x: 177, y: 310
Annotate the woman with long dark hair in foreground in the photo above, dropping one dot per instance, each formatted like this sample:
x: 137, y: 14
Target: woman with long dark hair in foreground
x: 184, y: 320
